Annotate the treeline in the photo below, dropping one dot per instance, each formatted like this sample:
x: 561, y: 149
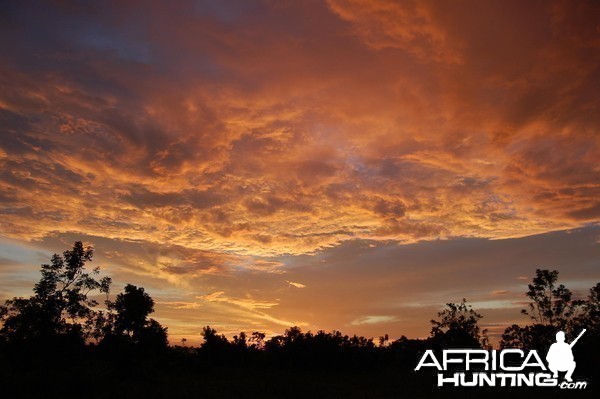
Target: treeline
x: 62, y: 317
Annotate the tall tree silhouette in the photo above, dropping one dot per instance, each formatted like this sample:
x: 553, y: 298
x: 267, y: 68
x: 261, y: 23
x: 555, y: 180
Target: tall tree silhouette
x: 551, y: 309
x: 551, y: 303
x: 61, y: 304
x: 590, y: 315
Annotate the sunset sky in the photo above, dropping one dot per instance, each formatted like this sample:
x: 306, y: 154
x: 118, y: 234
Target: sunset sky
x: 339, y: 164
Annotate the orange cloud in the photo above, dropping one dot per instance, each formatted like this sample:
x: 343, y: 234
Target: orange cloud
x: 256, y: 133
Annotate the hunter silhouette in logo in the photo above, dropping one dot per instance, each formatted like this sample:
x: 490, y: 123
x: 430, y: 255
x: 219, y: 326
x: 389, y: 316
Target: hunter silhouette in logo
x: 560, y: 356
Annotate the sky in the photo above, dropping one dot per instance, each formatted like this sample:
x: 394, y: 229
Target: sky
x: 334, y: 164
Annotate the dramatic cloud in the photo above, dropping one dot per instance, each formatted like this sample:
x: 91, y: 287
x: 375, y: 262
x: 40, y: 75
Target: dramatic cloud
x: 202, y: 144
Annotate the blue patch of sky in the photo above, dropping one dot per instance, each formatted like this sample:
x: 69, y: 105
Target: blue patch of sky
x: 225, y: 11
x: 13, y: 251
x: 110, y: 40
x: 19, y: 268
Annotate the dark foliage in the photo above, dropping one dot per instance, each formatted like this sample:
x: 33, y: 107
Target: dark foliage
x: 458, y: 327
x: 552, y: 308
x: 130, y: 321
x: 551, y: 304
x: 60, y: 309
x: 56, y: 342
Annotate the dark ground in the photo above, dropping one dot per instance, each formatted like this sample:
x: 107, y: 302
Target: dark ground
x: 97, y: 378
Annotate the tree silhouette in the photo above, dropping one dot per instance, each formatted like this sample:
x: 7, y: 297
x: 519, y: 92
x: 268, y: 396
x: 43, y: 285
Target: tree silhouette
x: 590, y: 313
x: 132, y: 308
x: 60, y: 304
x: 257, y: 340
x: 458, y: 327
x: 153, y: 335
x: 240, y: 341
x: 383, y: 340
x: 550, y: 304
x: 552, y: 309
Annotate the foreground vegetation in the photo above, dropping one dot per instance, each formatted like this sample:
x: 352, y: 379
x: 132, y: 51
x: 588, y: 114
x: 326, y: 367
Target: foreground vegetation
x: 58, y: 344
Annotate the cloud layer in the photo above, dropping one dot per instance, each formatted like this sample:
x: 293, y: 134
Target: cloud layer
x: 227, y: 138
